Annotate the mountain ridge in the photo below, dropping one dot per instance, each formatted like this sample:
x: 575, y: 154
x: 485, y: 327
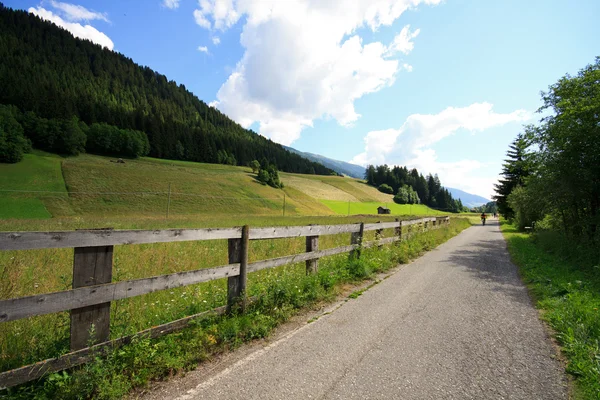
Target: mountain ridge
x: 341, y: 167
x: 468, y: 199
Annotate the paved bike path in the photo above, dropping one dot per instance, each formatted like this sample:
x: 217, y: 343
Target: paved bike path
x: 455, y: 324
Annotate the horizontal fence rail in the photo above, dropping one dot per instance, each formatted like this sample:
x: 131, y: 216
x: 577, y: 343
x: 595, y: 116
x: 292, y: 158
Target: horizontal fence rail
x: 89, y: 300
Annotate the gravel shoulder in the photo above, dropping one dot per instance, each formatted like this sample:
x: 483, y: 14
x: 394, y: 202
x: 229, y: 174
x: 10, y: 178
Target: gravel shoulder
x: 456, y: 323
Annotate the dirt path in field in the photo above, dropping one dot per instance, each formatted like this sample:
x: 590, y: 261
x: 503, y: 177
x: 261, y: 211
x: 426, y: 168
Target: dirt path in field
x: 455, y: 324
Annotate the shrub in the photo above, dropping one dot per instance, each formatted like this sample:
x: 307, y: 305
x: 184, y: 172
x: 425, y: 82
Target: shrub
x: 526, y: 205
x: 255, y: 165
x: 406, y: 195
x: 269, y: 176
x: 263, y: 176
x: 384, y: 188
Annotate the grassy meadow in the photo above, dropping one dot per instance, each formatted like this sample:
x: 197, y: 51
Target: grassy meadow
x: 38, y: 172
x: 89, y: 186
x: 564, y: 278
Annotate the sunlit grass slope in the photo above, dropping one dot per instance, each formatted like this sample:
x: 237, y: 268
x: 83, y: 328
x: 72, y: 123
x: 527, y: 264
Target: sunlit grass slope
x: 344, y: 208
x: 92, y: 186
x: 141, y: 187
x: 36, y: 172
x: 335, y: 188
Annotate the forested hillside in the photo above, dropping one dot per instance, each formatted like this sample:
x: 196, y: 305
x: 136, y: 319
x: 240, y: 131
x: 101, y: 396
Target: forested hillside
x: 61, y: 86
x: 411, y: 187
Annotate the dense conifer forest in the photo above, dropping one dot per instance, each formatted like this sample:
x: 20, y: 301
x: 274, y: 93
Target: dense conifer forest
x: 69, y: 95
x: 411, y: 187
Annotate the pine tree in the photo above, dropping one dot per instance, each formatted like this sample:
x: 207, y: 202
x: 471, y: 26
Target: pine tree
x: 514, y: 171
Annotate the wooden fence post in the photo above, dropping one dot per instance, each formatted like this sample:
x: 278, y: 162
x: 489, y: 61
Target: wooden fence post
x: 91, y: 325
x: 378, y: 235
x: 236, y: 285
x: 378, y: 232
x: 357, y: 238
x: 312, y: 244
x: 398, y: 230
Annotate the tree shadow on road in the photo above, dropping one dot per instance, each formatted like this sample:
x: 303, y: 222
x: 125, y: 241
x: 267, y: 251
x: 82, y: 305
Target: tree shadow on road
x: 489, y: 260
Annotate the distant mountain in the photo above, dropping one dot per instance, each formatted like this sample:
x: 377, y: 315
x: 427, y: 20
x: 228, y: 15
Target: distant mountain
x: 342, y: 167
x: 468, y: 199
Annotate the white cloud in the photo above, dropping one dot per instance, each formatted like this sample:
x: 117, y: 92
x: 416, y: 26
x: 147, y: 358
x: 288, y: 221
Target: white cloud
x: 203, y: 49
x: 410, y: 144
x: 216, y: 41
x: 407, y: 67
x: 172, y: 4
x: 201, y: 19
x: 304, y: 60
x: 81, y: 31
x: 73, y: 12
x: 402, y: 42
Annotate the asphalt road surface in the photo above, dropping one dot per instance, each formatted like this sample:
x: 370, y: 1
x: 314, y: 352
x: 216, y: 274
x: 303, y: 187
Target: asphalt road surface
x: 455, y: 324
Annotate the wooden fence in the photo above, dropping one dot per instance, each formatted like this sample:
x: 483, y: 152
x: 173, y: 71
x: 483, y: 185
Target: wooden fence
x: 92, y: 291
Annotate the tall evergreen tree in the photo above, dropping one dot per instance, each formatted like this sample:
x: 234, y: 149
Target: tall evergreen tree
x: 514, y: 171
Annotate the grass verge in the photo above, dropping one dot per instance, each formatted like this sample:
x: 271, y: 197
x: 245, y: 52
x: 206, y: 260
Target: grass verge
x: 281, y: 292
x: 564, y: 279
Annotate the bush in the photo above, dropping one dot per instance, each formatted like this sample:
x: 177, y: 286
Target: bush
x: 526, y: 205
x: 269, y: 176
x: 406, y: 195
x: 385, y: 189
x: 255, y: 165
x: 263, y: 176
x: 13, y: 143
x: 224, y: 158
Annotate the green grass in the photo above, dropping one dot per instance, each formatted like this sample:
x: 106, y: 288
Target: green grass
x: 281, y: 292
x: 140, y: 188
x: 365, y: 208
x: 564, y: 277
x: 36, y: 172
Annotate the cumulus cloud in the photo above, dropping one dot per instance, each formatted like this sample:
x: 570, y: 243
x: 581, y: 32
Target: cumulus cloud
x: 172, y: 4
x: 81, y: 31
x: 304, y: 59
x: 203, y: 49
x: 216, y: 41
x: 402, y: 42
x: 410, y: 144
x: 73, y: 12
x: 201, y: 19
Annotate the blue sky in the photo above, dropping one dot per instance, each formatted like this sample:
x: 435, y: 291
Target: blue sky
x: 443, y: 86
